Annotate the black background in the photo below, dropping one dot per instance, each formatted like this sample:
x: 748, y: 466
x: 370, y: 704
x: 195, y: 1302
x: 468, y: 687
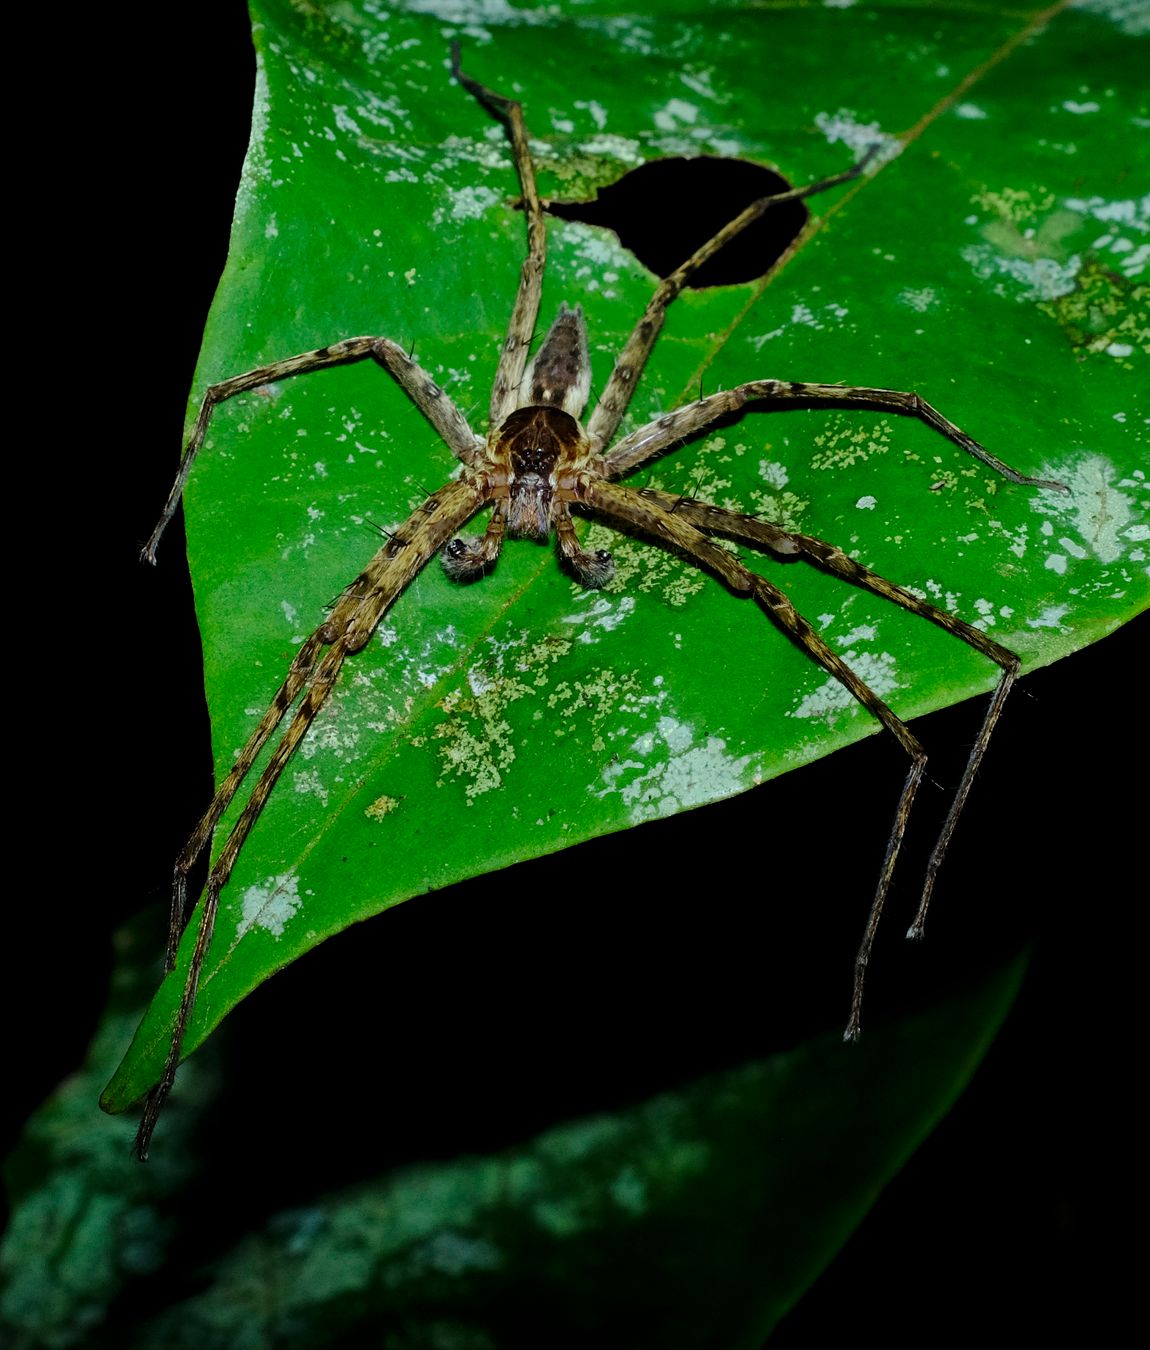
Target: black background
x: 1011, y: 1215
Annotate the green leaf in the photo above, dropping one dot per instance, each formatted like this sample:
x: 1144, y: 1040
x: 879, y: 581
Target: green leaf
x: 994, y: 266
x: 695, y: 1217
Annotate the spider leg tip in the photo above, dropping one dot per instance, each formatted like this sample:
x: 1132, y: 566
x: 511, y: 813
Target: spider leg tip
x: 916, y: 932
x: 142, y: 1144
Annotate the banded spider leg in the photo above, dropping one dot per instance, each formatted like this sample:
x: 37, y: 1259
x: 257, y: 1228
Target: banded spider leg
x: 537, y: 463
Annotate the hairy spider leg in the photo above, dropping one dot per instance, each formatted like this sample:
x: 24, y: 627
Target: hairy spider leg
x: 666, y: 431
x: 633, y: 358
x: 353, y: 619
x: 645, y: 512
x: 525, y: 312
x: 298, y: 677
x: 648, y: 441
x: 637, y: 349
x: 443, y: 415
x: 830, y: 558
x: 311, y: 673
x: 682, y: 524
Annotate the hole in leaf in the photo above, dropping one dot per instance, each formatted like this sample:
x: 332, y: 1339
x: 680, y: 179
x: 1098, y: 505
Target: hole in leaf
x: 663, y: 211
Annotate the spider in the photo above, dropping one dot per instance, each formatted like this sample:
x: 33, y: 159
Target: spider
x: 538, y: 461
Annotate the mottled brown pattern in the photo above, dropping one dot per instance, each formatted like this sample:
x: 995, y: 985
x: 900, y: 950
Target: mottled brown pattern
x: 536, y: 463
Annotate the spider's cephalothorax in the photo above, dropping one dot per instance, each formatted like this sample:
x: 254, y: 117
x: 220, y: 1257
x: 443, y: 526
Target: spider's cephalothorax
x: 536, y: 463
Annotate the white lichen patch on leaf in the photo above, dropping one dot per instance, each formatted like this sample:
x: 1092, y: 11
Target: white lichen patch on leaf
x: 596, y: 110
x: 825, y: 317
x: 1025, y: 248
x: 676, y: 112
x: 603, y: 613
x: 1015, y: 536
x: 374, y: 700
x: 1023, y: 278
x: 309, y: 783
x: 1131, y: 17
x: 467, y: 203
x: 428, y: 662
x: 831, y: 699
x: 382, y: 807
x: 1051, y: 617
x: 257, y: 168
x: 476, y: 742
x: 270, y: 905
x: 1126, y: 223
x: 606, y: 146
x: 920, y: 299
x: 848, y: 442
x: 594, y: 702
x: 1097, y: 514
x: 844, y: 126
x: 685, y: 774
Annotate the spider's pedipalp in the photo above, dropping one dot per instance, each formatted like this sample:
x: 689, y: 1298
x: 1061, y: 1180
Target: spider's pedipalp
x: 593, y: 569
x: 466, y: 560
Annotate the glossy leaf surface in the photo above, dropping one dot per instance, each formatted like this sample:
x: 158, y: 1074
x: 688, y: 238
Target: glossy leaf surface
x: 994, y: 265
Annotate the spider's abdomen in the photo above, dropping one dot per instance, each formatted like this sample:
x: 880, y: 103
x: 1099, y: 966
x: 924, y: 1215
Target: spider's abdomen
x: 560, y: 373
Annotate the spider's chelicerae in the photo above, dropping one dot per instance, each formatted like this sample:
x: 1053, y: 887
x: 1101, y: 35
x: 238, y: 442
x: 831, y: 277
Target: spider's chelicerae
x: 538, y: 461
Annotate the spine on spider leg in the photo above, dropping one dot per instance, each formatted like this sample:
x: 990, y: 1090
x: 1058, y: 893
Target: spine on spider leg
x: 335, y: 354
